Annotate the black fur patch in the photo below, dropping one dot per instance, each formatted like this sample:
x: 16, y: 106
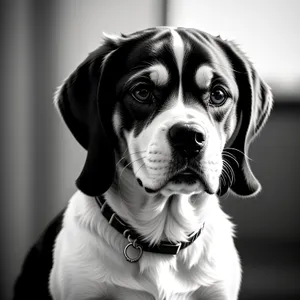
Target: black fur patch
x: 197, y: 46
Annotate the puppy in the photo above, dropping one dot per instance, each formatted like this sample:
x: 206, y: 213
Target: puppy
x: 166, y: 116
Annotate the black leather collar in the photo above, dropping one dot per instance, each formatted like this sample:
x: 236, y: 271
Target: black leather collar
x: 128, y: 232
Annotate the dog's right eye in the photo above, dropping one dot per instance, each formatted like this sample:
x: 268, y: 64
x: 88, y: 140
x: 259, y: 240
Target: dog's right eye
x: 218, y: 96
x: 142, y: 94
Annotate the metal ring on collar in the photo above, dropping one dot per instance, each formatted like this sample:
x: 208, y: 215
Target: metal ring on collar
x: 135, y: 246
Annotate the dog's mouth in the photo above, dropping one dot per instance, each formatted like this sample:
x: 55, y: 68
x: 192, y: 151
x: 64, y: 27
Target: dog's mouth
x: 186, y: 180
x: 188, y: 177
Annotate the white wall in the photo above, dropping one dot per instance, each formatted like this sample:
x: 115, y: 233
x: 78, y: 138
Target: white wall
x: 269, y: 32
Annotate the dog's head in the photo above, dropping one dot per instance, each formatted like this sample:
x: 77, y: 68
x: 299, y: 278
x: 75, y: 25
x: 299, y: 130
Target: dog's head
x: 176, y: 107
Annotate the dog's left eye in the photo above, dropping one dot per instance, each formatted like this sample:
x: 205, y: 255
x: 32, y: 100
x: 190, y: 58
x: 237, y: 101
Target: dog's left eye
x: 218, y: 96
x: 142, y: 94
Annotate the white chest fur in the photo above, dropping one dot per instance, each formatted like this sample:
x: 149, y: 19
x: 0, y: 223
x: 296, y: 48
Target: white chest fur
x: 89, y: 261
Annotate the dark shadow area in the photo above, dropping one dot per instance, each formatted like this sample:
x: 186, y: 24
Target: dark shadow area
x: 271, y: 270
x: 268, y: 231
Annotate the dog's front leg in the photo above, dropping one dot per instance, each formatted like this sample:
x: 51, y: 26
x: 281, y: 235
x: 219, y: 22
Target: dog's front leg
x: 227, y: 288
x: 63, y: 288
x: 217, y: 291
x: 69, y: 280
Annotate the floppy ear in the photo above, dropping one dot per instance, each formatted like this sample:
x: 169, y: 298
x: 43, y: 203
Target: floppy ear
x: 253, y: 109
x: 86, y: 108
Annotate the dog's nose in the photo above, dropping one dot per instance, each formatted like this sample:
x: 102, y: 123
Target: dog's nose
x: 187, y: 139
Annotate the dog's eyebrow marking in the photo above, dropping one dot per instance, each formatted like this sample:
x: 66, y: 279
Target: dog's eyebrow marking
x: 139, y: 74
x: 178, y: 49
x: 203, y: 76
x: 159, y: 74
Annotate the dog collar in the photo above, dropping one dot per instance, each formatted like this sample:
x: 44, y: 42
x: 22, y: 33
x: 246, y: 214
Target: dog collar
x: 135, y: 240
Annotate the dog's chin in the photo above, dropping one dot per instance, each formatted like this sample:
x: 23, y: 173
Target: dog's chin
x: 182, y: 188
x: 184, y: 183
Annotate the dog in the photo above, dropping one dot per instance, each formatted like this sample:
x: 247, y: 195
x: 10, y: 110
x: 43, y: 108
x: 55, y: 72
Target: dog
x: 166, y: 116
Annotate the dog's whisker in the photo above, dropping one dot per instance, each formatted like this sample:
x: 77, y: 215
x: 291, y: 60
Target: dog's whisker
x: 239, y: 152
x: 131, y: 153
x: 228, y: 172
x: 235, y: 149
x: 127, y: 165
x: 226, y: 193
x: 125, y: 151
x: 231, y: 156
x: 223, y: 181
x: 229, y: 166
x: 225, y: 173
x: 230, y: 169
x: 120, y: 160
x: 139, y: 169
x: 130, y: 163
x: 122, y: 196
x: 122, y: 157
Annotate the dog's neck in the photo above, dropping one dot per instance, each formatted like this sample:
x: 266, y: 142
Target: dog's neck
x: 158, y: 217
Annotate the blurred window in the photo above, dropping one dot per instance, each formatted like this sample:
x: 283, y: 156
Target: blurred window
x: 268, y: 31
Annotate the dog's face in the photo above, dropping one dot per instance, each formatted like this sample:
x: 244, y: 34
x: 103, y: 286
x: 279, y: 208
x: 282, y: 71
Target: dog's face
x: 177, y: 107
x: 175, y: 111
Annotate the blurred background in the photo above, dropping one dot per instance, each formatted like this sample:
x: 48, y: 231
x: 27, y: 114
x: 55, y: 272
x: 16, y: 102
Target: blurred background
x: 43, y: 41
